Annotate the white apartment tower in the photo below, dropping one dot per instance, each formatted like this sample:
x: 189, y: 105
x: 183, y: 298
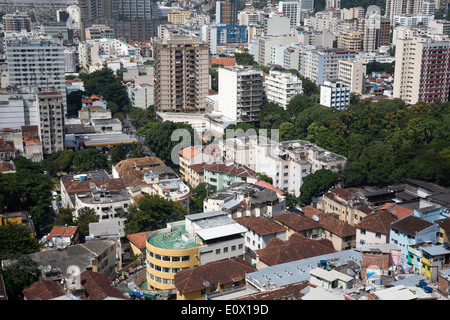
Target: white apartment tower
x: 38, y: 63
x: 352, y: 74
x: 281, y: 87
x: 51, y: 121
x: 290, y: 10
x: 334, y: 94
x: 240, y: 93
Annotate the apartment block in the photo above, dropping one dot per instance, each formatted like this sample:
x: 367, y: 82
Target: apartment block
x: 227, y: 12
x: 99, y: 32
x: 441, y: 26
x: 352, y: 13
x: 16, y: 22
x: 413, y: 20
x: 375, y: 31
x: 402, y: 7
x: 277, y: 24
x: 178, y: 16
x: 181, y: 74
x: 422, y: 69
x: 290, y: 10
x: 281, y: 87
x: 352, y: 73
x: 240, y: 93
x: 37, y: 63
x: 246, y: 18
x: 350, y: 40
x: 51, y: 121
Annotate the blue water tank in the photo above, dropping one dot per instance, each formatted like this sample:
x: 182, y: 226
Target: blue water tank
x: 422, y: 284
x: 428, y: 289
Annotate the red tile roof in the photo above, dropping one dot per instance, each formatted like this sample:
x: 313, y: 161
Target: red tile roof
x: 378, y: 221
x: 43, y: 290
x: 260, y: 225
x: 231, y: 168
x: 296, y: 248
x: 216, y: 272
x: 97, y: 286
x: 223, y: 61
x: 269, y: 186
x: 330, y: 223
x: 63, y: 231
x: 297, y: 222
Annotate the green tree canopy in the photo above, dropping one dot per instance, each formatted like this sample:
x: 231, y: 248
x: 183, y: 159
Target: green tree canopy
x: 17, y: 239
x: 90, y: 159
x: 315, y: 184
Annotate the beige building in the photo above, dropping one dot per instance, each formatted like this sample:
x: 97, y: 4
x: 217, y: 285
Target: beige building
x: 181, y: 74
x: 51, y: 121
x: 178, y: 16
x: 352, y: 74
x: 350, y: 40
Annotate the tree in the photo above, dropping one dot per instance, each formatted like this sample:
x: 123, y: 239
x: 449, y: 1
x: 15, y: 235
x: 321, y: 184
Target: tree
x: 85, y: 216
x: 244, y: 58
x: 65, y: 217
x: 152, y: 212
x: 315, y: 184
x: 17, y: 239
x: 286, y: 131
x: 119, y: 153
x: 19, y: 275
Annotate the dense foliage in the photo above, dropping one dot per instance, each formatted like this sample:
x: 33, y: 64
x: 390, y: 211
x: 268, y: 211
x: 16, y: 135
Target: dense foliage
x: 384, y: 142
x: 152, y: 212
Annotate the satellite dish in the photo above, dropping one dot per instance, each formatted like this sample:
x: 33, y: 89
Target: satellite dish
x: 206, y: 283
x: 315, y: 218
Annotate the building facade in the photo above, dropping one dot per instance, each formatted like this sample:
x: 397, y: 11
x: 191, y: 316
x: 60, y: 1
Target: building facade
x: 335, y: 94
x: 281, y: 87
x: 181, y: 74
x: 51, y: 121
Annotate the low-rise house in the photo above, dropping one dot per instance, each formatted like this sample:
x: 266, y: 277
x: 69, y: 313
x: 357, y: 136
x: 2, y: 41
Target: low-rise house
x: 297, y: 247
x: 374, y: 228
x: 61, y: 237
x: 137, y: 242
x: 151, y: 176
x: 330, y: 279
x: 43, y: 290
x: 97, y: 286
x: 434, y: 259
x: 19, y: 217
x: 341, y: 234
x: 212, y: 279
x: 349, y: 204
x: 246, y: 199
x: 444, y: 232
x: 259, y: 232
x: 95, y: 255
x: 7, y: 150
x: 379, y: 260
x: 95, y: 190
x: 298, y: 223
x: 411, y: 230
x: 222, y: 175
x: 444, y: 282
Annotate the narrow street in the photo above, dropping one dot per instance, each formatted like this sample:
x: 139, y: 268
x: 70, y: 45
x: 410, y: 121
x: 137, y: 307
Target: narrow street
x: 130, y: 129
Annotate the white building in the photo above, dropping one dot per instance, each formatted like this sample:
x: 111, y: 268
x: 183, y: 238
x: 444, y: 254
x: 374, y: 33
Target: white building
x: 281, y: 87
x: 141, y: 95
x: 263, y: 44
x: 290, y: 10
x: 413, y: 20
x: 335, y: 94
x: 51, y: 121
x: 352, y: 73
x: 240, y: 93
x: 38, y: 63
x: 277, y: 25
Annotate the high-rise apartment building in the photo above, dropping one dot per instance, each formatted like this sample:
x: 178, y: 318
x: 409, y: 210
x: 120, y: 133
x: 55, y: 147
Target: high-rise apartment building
x: 181, y: 74
x: 350, y: 40
x: 281, y: 87
x: 16, y: 22
x: 51, y: 121
x: 290, y: 10
x: 334, y: 94
x: 402, y: 7
x: 38, y: 63
x: 227, y: 12
x: 352, y: 74
x: 422, y: 69
x: 131, y: 19
x: 375, y: 31
x: 241, y: 93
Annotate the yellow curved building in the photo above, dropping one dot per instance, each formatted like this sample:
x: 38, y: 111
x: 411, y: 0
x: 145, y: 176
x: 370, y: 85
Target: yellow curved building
x: 169, y: 251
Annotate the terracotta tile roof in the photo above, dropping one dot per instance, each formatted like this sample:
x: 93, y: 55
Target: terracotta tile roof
x: 43, y: 290
x: 6, y: 167
x: 291, y: 292
x: 378, y: 221
x: 260, y: 225
x: 231, y: 168
x: 85, y: 186
x: 444, y: 224
x: 330, y: 223
x: 139, y: 239
x: 343, y: 193
x: 6, y: 145
x: 28, y: 141
x: 130, y: 169
x: 97, y: 286
x: 63, y: 231
x: 197, y: 168
x: 223, y: 61
x: 296, y: 248
x: 411, y: 224
x: 297, y: 222
x: 222, y: 271
x: 269, y: 186
x: 189, y: 152
x: 397, y: 209
x: 30, y: 130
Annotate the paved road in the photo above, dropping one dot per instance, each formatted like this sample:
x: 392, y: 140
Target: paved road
x: 131, y: 129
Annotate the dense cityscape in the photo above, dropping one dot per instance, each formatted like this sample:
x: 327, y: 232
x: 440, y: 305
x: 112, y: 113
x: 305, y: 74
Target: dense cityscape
x: 237, y: 150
